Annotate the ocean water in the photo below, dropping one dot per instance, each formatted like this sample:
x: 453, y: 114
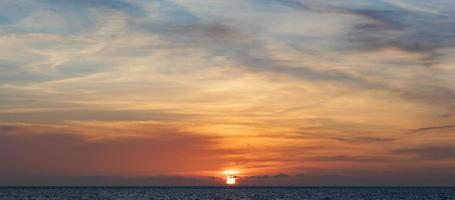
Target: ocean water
x: 201, y: 193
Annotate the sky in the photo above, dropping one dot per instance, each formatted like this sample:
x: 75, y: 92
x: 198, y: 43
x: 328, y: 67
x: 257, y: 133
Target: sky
x: 174, y: 92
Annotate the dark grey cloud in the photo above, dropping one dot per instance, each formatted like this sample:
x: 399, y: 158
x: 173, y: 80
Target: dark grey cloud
x: 406, y: 30
x: 424, y: 129
x: 429, y: 90
x: 388, y: 26
x: 364, y: 139
x: 130, y: 7
x: 360, y: 177
x: 410, y: 31
x: 282, y: 175
x: 344, y: 158
x: 120, y: 4
x: 441, y: 152
x: 241, y: 45
x: 282, y: 179
x: 359, y: 138
x: 197, y: 33
x: 273, y: 176
x: 294, y: 4
x: 429, y: 34
x: 259, y: 177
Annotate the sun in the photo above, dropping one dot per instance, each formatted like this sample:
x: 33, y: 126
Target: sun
x: 230, y: 180
x: 231, y: 176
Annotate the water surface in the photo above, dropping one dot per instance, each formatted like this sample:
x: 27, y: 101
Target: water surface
x: 253, y: 193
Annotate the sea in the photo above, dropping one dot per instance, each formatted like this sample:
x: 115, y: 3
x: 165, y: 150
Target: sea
x: 225, y: 193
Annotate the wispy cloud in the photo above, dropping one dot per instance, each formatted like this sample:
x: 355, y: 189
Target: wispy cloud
x: 441, y: 152
x: 433, y: 128
x: 243, y: 75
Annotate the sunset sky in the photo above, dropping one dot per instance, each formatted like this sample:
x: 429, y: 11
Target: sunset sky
x: 174, y: 92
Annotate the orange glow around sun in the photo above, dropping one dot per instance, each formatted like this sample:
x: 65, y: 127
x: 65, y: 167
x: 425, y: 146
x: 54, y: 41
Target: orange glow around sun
x: 231, y: 172
x: 231, y: 176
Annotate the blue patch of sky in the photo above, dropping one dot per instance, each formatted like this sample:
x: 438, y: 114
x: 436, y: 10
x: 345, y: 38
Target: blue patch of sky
x: 77, y: 15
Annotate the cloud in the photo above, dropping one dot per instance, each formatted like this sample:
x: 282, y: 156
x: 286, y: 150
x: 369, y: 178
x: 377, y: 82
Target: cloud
x: 348, y: 158
x: 111, y: 80
x: 240, y: 45
x: 19, y: 15
x: 361, y: 139
x: 90, y: 115
x: 440, y: 152
x: 419, y: 6
x: 68, y: 151
x: 280, y: 175
x: 410, y: 31
x: 424, y: 129
x: 371, y: 29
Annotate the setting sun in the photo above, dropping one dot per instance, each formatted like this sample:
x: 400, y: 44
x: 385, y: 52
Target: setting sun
x: 231, y: 176
x: 230, y: 180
